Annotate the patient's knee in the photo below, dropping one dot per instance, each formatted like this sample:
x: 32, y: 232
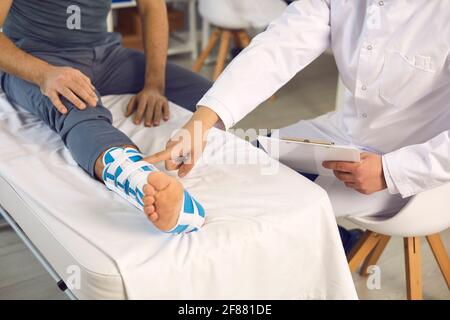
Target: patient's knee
x: 64, y: 123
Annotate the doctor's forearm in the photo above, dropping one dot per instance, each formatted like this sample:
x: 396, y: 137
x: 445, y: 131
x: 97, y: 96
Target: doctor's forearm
x: 274, y: 57
x: 206, y: 116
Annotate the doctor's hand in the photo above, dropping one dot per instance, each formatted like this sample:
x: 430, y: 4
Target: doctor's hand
x: 365, y: 177
x: 150, y: 105
x: 186, y: 146
x: 69, y: 83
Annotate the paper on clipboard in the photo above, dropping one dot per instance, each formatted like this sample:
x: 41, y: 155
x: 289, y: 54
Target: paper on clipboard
x: 307, y: 157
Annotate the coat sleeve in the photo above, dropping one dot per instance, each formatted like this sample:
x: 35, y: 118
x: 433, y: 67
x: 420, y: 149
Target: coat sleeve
x: 420, y: 167
x: 288, y: 45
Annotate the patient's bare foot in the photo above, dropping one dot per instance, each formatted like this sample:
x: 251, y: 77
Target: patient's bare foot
x: 163, y: 197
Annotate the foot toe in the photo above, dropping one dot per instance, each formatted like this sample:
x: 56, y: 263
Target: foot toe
x: 148, y: 200
x: 149, y: 190
x: 149, y: 209
x: 153, y: 217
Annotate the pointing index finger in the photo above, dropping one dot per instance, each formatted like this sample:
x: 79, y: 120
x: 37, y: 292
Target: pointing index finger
x: 160, y: 156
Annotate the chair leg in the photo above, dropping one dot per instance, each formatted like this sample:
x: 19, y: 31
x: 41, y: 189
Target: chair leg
x: 413, y: 268
x: 441, y: 256
x: 375, y: 255
x: 207, y: 51
x: 364, y: 247
x: 242, y: 39
x: 223, y: 53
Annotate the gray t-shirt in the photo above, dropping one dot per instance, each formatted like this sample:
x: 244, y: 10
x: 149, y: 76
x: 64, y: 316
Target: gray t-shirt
x: 60, y: 23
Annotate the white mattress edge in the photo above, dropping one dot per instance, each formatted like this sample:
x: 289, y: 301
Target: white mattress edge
x: 18, y: 208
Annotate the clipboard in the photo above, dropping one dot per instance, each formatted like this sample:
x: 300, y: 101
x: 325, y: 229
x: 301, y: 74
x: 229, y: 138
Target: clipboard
x: 305, y: 155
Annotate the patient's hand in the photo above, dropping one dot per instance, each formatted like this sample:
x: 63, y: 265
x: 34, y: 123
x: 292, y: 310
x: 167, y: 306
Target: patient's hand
x: 365, y: 177
x: 71, y: 84
x: 149, y: 105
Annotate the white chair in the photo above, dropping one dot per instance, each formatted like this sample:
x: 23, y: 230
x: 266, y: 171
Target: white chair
x: 426, y: 214
x: 232, y: 19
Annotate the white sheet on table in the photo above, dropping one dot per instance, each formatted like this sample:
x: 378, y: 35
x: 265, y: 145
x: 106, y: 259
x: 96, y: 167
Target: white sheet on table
x: 267, y: 236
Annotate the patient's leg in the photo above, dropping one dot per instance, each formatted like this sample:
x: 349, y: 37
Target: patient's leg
x: 88, y: 134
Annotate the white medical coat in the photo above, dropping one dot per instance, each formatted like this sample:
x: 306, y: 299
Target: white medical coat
x: 393, y: 58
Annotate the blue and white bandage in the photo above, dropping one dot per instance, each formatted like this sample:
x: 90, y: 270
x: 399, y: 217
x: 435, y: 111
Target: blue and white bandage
x: 126, y: 174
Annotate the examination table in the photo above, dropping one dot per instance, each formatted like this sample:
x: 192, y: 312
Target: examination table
x: 268, y: 235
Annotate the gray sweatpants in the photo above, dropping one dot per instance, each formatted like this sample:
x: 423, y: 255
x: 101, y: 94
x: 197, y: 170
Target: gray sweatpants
x: 112, y: 69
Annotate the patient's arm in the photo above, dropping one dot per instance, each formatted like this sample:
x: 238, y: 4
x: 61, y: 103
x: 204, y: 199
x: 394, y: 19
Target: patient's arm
x: 151, y: 105
x: 4, y: 9
x: 53, y: 81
